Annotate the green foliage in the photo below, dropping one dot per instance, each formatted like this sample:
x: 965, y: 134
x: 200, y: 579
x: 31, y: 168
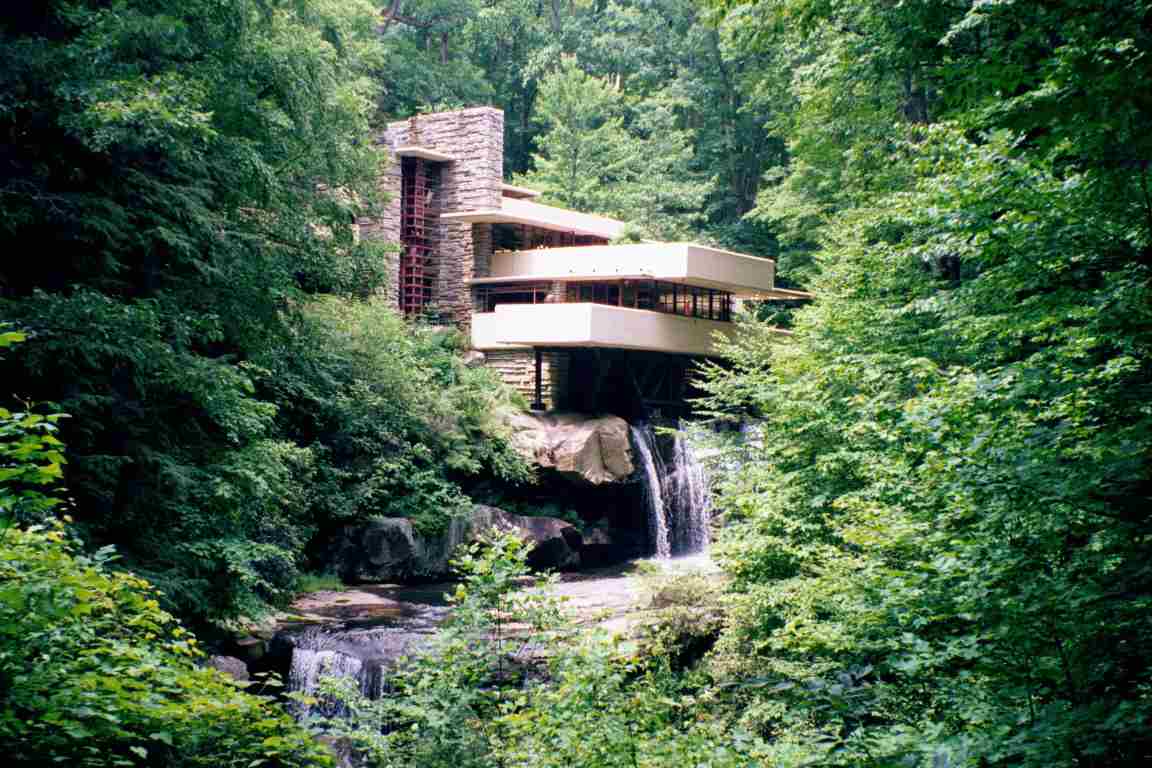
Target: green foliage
x: 590, y: 160
x: 216, y: 478
x: 688, y: 590
x: 193, y: 177
x: 423, y: 70
x: 938, y: 527
x: 319, y: 582
x: 174, y: 166
x: 94, y: 673
x: 31, y: 458
x: 442, y: 705
x: 606, y: 708
x: 686, y: 99
x: 587, y: 146
x: 688, y: 619
x: 395, y: 418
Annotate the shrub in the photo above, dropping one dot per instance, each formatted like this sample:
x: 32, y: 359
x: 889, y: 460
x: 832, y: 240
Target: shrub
x: 93, y: 672
x: 688, y: 620
x: 398, y: 423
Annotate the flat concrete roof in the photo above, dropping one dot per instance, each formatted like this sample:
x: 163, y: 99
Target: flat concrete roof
x: 424, y: 153
x: 511, y: 190
x: 516, y: 211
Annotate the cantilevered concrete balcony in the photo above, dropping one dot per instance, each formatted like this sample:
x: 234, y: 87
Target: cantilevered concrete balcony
x: 593, y: 325
x: 684, y: 263
x: 514, y: 209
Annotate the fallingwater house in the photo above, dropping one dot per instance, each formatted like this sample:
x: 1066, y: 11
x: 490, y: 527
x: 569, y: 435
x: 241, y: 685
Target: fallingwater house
x: 563, y: 314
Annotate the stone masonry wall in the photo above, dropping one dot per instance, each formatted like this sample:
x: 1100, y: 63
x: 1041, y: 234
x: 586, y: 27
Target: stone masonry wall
x: 517, y: 368
x: 475, y: 137
x: 482, y: 250
x: 385, y: 226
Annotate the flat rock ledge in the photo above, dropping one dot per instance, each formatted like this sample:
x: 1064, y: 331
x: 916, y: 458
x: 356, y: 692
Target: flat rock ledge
x: 389, y: 549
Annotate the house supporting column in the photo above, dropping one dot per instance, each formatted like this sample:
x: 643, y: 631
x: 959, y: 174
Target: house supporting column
x: 517, y: 368
x: 538, y: 400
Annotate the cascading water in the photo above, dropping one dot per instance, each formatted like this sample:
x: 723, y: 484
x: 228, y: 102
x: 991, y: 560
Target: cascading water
x: 676, y: 495
x: 312, y: 659
x: 652, y: 470
x: 686, y: 492
x: 359, y: 650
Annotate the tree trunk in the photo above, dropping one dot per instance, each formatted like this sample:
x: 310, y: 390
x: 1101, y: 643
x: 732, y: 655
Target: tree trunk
x: 390, y: 14
x: 915, y: 99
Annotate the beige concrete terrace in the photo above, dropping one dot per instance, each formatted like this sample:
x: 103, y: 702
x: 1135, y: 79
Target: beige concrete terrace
x: 594, y: 325
x: 516, y: 210
x: 685, y: 263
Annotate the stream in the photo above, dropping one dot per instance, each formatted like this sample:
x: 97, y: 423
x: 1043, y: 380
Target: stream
x: 366, y: 629
x: 359, y: 633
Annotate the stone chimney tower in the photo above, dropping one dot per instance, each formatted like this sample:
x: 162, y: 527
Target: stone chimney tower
x: 439, y: 163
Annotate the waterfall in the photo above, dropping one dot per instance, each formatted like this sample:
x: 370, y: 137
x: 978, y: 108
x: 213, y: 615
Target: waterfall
x: 687, y: 494
x: 652, y: 468
x: 314, y: 656
x: 676, y: 495
x: 363, y: 654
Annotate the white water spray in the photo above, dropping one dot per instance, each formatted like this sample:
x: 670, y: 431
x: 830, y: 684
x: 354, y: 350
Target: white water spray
x: 686, y: 493
x: 652, y: 468
x: 677, y: 497
x: 363, y: 654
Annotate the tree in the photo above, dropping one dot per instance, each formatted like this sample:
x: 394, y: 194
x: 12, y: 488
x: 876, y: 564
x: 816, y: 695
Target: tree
x: 92, y: 671
x: 938, y: 554
x: 586, y: 150
x: 592, y: 161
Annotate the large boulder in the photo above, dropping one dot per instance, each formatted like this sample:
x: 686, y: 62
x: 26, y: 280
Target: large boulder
x: 592, y: 449
x: 556, y: 544
x: 390, y: 549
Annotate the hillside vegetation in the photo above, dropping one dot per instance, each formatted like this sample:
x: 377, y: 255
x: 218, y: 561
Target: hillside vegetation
x: 936, y: 530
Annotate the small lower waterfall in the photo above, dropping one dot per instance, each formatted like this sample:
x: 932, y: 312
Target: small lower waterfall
x: 361, y: 652
x: 312, y: 661
x: 676, y: 495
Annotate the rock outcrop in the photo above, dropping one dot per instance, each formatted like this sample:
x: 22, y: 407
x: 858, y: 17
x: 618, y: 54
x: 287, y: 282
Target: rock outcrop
x: 555, y: 544
x: 229, y: 665
x: 389, y: 549
x: 591, y: 449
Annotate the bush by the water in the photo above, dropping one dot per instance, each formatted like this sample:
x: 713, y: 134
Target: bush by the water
x: 92, y: 671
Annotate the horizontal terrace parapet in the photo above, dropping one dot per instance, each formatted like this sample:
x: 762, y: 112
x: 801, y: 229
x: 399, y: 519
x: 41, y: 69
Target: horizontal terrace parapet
x: 686, y: 263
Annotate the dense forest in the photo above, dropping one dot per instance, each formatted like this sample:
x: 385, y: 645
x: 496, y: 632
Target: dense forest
x: 936, y: 540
